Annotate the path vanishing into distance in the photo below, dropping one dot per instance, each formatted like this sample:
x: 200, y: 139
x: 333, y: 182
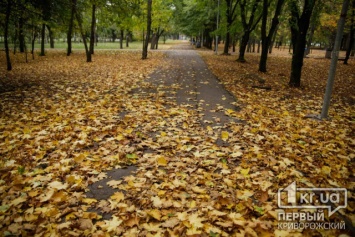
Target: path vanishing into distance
x: 183, y: 81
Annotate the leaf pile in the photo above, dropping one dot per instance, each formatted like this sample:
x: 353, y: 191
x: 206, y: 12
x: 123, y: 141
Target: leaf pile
x: 65, y: 122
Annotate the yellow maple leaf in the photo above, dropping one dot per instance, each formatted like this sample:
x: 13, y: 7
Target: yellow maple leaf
x: 118, y: 196
x: 58, y: 185
x: 112, y: 225
x: 155, y: 214
x: 244, y: 194
x: 326, y: 170
x: 196, y: 221
x: 161, y: 160
x: 197, y: 189
x: 245, y: 172
x: 89, y: 200
x: 80, y: 158
x: 18, y: 200
x: 157, y: 202
x: 224, y: 135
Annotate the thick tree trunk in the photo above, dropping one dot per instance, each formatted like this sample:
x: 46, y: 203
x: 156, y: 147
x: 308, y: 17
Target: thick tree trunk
x: 149, y: 25
x: 248, y: 26
x: 43, y: 35
x: 226, y: 44
x: 71, y: 26
x: 6, y: 35
x: 51, y: 37
x: 93, y: 22
x: 243, y: 46
x: 299, y: 28
x: 265, y: 38
x: 87, y: 51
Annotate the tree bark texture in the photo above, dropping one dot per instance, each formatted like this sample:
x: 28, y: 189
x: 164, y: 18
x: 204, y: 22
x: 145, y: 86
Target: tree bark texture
x: 266, y: 38
x: 87, y: 51
x: 71, y: 26
x: 6, y: 35
x: 149, y: 26
x: 299, y: 28
x: 93, y: 23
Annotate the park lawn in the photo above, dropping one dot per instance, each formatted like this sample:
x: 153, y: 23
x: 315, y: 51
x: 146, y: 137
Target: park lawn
x: 60, y: 45
x: 64, y: 122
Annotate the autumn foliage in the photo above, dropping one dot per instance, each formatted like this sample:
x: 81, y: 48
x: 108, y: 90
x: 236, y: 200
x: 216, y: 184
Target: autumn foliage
x: 65, y: 122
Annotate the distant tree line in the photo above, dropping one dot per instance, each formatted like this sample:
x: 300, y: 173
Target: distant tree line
x: 301, y: 24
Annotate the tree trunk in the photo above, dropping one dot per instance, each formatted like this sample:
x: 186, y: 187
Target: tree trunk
x: 299, y: 28
x: 43, y: 35
x: 127, y: 40
x: 157, y: 42
x: 51, y: 37
x: 265, y: 38
x: 273, y: 37
x: 71, y: 26
x: 21, y: 34
x: 87, y: 51
x: 6, y: 35
x: 310, y: 38
x: 153, y: 41
x: 33, y: 40
x: 226, y: 44
x: 121, y: 38
x: 158, y: 35
x: 249, y: 46
x: 93, y: 22
x: 248, y: 26
x: 243, y: 46
x: 258, y: 50
x: 351, y: 32
x: 149, y: 25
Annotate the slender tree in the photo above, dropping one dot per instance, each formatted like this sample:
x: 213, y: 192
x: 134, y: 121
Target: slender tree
x: 46, y: 13
x: 149, y: 25
x: 22, y: 42
x: 93, y: 25
x: 231, y: 17
x: 43, y: 35
x: 51, y: 36
x: 71, y: 26
x: 121, y: 38
x: 248, y: 25
x: 6, y: 34
x: 80, y: 24
x: 266, y: 38
x: 299, y: 26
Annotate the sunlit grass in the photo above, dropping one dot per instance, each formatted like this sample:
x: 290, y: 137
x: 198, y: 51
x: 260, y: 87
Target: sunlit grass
x: 135, y: 45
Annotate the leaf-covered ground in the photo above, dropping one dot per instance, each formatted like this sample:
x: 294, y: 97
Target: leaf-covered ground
x: 65, y: 122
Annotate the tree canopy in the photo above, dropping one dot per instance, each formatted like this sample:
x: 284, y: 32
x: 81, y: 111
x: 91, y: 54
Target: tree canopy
x: 311, y: 22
